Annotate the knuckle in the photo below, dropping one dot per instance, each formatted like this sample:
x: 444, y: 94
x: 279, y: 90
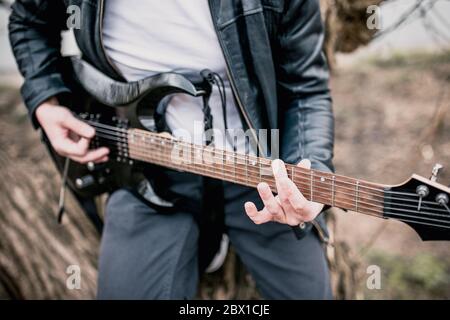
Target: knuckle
x: 288, y: 193
x: 285, y: 201
x: 298, y: 207
x: 308, y: 217
x: 273, y: 210
x: 293, y: 221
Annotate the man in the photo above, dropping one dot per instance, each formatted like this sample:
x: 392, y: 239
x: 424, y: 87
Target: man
x: 269, y: 53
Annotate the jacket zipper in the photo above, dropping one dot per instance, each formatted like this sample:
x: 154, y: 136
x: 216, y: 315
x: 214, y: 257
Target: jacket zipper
x: 233, y: 85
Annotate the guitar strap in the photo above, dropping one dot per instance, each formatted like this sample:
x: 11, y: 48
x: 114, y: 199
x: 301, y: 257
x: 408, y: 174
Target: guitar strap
x: 212, y: 217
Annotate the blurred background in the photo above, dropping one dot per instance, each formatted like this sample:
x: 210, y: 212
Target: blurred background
x: 391, y: 91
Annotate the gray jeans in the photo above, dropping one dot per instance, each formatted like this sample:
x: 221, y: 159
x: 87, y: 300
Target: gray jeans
x: 148, y: 255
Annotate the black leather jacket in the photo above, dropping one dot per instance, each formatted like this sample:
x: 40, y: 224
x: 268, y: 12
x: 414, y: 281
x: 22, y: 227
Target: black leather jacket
x: 273, y: 50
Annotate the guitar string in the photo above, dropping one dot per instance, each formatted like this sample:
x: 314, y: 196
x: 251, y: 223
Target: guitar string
x: 248, y: 158
x: 376, y: 213
x: 359, y: 196
x: 326, y: 193
x: 124, y: 134
x: 317, y: 180
x: 365, y: 207
x: 320, y: 186
x: 163, y: 162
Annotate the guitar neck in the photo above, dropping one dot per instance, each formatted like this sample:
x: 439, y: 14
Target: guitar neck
x: 317, y: 186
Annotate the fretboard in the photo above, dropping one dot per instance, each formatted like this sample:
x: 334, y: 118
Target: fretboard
x: 317, y: 186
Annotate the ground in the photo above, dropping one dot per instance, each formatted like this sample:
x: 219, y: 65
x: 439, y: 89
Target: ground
x: 392, y: 120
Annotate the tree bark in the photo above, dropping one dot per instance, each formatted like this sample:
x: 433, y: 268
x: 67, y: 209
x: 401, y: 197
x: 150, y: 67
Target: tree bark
x: 35, y: 251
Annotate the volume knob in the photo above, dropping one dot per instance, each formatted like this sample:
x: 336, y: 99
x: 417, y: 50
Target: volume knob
x: 85, y: 182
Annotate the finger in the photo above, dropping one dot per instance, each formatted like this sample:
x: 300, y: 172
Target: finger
x: 102, y: 160
x: 92, y: 156
x: 292, y: 195
x: 77, y: 149
x: 67, y: 147
x: 305, y: 163
x: 289, y: 195
x: 279, y: 169
x: 258, y: 217
x: 291, y: 198
x: 250, y: 209
x: 280, y: 173
x: 79, y: 127
x: 313, y: 208
x: 270, y: 203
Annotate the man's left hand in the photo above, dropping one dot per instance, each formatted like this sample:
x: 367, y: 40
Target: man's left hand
x: 289, y: 206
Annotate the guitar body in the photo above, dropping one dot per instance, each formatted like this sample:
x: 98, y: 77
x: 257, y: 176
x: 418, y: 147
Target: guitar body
x: 99, y: 99
x: 91, y: 180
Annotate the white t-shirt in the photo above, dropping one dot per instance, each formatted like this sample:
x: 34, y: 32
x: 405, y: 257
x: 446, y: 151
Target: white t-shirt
x: 145, y: 37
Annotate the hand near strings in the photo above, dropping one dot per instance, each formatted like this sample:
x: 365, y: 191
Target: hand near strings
x: 289, y: 206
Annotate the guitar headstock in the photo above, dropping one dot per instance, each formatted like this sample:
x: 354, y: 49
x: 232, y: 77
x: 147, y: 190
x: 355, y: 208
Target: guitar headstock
x: 423, y: 204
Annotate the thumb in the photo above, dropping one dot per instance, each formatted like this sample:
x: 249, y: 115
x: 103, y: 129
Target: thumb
x: 305, y: 164
x: 79, y: 127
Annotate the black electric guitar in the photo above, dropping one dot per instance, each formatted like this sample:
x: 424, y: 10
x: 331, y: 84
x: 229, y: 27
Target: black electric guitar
x: 125, y: 116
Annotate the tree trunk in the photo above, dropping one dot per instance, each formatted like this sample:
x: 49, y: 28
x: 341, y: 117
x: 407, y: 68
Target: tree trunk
x: 35, y: 251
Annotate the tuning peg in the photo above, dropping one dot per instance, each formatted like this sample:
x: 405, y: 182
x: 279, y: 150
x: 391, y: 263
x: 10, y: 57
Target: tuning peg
x: 422, y: 191
x: 443, y: 200
x: 435, y: 172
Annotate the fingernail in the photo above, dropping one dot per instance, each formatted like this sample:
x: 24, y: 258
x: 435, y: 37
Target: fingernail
x: 262, y: 186
x: 277, y: 166
x: 91, y: 133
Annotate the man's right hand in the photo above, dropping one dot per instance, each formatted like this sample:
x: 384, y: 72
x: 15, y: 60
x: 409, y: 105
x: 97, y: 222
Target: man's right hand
x: 69, y: 136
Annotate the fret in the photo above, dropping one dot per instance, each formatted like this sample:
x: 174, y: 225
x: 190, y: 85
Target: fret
x: 356, y: 196
x: 192, y: 155
x: 260, y: 170
x: 201, y: 158
x: 223, y: 164
x: 292, y: 173
x: 234, y: 166
x: 246, y: 167
x: 333, y: 191
x: 312, y: 185
x: 239, y: 167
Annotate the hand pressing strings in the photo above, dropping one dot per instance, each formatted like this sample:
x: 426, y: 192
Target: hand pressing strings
x: 289, y: 206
